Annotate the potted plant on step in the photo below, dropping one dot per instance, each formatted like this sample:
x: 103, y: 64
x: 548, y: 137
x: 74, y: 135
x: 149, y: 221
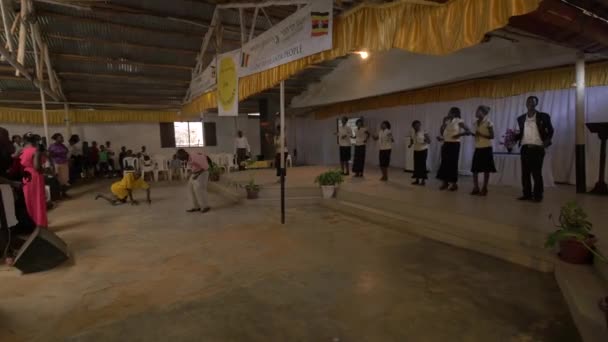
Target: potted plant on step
x: 328, y: 181
x: 253, y: 189
x: 574, y: 237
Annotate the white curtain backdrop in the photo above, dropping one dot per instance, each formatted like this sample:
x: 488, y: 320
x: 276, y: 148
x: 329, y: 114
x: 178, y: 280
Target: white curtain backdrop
x: 316, y: 143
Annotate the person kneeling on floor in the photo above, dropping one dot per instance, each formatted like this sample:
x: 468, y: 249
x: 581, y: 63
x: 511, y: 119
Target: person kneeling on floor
x: 124, y: 188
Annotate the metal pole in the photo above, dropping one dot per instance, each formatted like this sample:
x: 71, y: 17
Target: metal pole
x: 282, y: 153
x: 42, y: 97
x: 66, y: 118
x: 581, y: 173
x: 7, y: 31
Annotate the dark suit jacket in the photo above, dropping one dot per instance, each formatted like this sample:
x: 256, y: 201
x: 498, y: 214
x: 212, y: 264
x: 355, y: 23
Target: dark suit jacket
x: 543, y: 122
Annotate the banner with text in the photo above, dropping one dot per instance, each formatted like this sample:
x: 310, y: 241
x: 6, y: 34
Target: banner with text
x: 228, y: 84
x: 204, y: 81
x: 304, y: 33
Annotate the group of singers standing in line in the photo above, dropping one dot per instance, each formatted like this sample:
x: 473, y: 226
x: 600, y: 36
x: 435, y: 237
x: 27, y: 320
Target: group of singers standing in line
x: 535, y: 135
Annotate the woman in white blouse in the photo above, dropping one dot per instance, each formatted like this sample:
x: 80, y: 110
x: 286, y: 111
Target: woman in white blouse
x: 361, y: 137
x: 452, y: 130
x: 385, y: 145
x: 483, y: 159
x: 420, y: 141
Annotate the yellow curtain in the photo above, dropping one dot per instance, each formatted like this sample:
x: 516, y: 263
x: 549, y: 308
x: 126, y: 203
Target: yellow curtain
x: 420, y: 28
x: 494, y: 87
x: 57, y: 117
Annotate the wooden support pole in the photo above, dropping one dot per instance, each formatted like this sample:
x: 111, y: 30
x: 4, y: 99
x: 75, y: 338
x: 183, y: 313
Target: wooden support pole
x: 22, y: 35
x: 67, y: 120
x: 7, y: 32
x: 253, y: 23
x: 282, y: 150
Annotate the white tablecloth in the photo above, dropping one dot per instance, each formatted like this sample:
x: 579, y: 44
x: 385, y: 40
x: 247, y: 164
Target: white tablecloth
x: 508, y: 167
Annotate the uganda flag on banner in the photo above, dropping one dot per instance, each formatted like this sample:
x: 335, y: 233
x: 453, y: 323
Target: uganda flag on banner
x: 320, y: 23
x: 244, y: 60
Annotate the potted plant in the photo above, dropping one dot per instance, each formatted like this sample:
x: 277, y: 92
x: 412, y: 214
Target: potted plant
x: 328, y: 181
x: 253, y: 189
x: 576, y: 242
x: 214, y: 173
x: 510, y: 139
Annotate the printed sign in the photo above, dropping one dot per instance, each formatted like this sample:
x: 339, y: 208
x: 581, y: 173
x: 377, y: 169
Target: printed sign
x: 228, y: 84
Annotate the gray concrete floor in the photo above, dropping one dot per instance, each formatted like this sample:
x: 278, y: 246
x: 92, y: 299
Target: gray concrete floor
x: 153, y: 273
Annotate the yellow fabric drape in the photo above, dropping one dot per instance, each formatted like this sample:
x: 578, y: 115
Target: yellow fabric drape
x: 419, y: 28
x: 494, y: 87
x: 57, y: 117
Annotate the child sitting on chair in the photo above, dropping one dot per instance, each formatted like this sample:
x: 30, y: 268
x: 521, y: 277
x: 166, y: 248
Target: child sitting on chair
x: 124, y: 188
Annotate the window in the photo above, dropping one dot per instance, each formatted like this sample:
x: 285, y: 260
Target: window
x: 189, y: 134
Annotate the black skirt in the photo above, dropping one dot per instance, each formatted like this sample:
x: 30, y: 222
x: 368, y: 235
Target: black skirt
x: 345, y: 153
x: 385, y: 158
x: 483, y: 160
x: 420, y: 171
x: 359, y: 162
x: 450, y: 154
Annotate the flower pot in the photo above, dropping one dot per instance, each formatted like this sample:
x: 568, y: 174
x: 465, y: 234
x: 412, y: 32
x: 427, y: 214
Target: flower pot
x: 574, y: 252
x: 328, y: 191
x: 252, y: 194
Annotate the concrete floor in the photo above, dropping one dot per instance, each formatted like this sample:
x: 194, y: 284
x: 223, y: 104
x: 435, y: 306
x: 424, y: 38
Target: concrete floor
x: 158, y: 274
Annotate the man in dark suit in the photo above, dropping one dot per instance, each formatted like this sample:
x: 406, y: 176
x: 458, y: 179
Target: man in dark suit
x: 535, y: 134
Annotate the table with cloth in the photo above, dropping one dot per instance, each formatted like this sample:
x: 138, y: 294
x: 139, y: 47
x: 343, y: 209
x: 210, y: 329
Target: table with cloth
x: 508, y: 170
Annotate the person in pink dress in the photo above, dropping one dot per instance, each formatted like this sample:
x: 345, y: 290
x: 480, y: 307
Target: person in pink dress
x: 32, y: 160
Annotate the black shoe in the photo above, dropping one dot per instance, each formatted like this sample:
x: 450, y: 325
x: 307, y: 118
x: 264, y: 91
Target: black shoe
x: 537, y: 199
x: 453, y: 188
x: 193, y: 210
x: 415, y: 182
x: 525, y: 198
x: 205, y: 210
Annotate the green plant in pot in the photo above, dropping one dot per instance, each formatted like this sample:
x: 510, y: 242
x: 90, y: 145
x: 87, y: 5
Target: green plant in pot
x: 252, y: 188
x: 328, y: 181
x: 574, y: 237
x: 214, y: 173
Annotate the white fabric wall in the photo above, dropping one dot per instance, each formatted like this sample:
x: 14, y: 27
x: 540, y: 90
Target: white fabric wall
x: 316, y: 143
x: 135, y: 135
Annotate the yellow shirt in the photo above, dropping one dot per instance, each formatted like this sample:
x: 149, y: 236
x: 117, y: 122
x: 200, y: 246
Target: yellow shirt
x: 121, y: 188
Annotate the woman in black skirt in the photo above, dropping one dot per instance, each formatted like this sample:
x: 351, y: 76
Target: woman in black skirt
x: 361, y: 137
x: 420, y: 142
x: 453, y: 129
x: 483, y: 159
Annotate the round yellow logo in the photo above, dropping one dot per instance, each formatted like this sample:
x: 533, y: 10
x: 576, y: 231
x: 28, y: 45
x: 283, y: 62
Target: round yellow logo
x: 227, y: 83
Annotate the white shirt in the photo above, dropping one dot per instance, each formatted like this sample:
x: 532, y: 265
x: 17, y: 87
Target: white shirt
x: 531, y: 134
x: 361, y: 136
x: 385, y: 139
x: 241, y: 142
x: 277, y: 144
x: 18, y: 149
x: 76, y: 149
x: 452, y: 128
x: 419, y: 141
x: 345, y: 133
x: 483, y: 128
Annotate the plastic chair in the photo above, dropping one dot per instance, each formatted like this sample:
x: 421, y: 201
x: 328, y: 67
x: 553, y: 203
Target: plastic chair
x: 162, y: 165
x: 288, y: 161
x: 230, y: 162
x: 147, y: 166
x: 130, y: 163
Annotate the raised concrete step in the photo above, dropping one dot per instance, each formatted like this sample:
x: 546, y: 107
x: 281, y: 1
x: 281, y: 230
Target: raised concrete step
x: 502, y: 241
x: 583, y: 288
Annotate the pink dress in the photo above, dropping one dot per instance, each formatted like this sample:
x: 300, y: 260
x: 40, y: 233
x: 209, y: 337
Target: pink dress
x: 33, y: 188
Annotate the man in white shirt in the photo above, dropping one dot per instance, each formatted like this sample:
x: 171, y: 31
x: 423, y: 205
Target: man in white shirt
x: 345, y: 135
x: 535, y: 134
x: 241, y: 149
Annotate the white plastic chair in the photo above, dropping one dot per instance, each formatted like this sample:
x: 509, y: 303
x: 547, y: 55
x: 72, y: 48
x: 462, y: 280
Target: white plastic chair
x: 230, y: 162
x: 146, y: 167
x: 288, y: 161
x: 130, y: 162
x: 161, y: 164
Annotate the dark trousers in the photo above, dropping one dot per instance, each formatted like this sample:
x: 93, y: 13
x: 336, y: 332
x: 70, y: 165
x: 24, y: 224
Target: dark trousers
x: 532, y: 158
x: 241, y: 156
x: 359, y: 160
x: 277, y: 163
x: 448, y: 170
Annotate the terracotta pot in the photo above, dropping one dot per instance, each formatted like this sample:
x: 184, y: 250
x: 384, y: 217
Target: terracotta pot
x: 252, y: 194
x: 574, y: 252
